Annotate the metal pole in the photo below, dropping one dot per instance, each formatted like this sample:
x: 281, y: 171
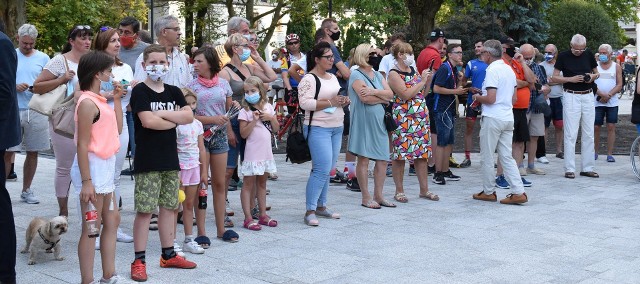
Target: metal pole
x: 151, y: 23
x: 330, y: 8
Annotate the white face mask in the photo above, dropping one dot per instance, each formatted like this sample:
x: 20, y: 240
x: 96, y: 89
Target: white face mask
x: 157, y: 72
x: 409, y: 60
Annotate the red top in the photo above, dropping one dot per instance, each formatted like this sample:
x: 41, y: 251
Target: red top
x: 425, y: 57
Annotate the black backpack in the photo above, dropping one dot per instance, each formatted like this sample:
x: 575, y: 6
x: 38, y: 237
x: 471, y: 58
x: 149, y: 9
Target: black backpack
x: 297, y: 146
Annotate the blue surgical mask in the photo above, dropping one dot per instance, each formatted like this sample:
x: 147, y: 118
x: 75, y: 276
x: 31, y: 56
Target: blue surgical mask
x: 246, y: 53
x: 252, y: 98
x: 106, y: 86
x: 603, y: 58
x: 548, y: 57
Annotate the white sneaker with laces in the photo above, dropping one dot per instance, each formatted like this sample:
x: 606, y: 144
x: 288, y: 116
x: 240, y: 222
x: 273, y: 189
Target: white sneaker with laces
x: 29, y: 197
x: 543, y: 160
x: 177, y: 248
x: 115, y: 278
x: 123, y: 238
x: 192, y: 247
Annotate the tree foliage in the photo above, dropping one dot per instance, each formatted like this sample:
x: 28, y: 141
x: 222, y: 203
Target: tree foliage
x: 569, y: 17
x: 471, y: 26
x: 301, y: 23
x: 54, y: 18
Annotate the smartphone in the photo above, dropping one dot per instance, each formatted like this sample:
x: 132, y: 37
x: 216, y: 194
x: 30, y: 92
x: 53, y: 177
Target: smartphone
x: 431, y: 64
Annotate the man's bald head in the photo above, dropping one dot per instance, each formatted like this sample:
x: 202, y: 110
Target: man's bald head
x: 527, y: 51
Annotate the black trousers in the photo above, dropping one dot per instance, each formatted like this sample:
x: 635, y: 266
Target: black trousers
x: 8, y: 229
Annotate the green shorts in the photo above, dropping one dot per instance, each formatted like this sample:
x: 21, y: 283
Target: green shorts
x: 155, y: 189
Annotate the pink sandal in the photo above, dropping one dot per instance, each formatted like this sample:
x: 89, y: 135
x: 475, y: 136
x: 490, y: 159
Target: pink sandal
x: 252, y: 225
x: 267, y: 221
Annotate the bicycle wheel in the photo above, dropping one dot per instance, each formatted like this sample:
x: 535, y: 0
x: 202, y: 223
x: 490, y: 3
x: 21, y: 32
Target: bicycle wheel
x: 635, y: 157
x: 631, y: 88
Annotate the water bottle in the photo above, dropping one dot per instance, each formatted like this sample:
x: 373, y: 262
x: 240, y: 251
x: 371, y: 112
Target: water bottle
x: 202, y: 196
x: 91, y: 219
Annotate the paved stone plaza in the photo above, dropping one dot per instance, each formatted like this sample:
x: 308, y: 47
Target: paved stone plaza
x: 571, y: 231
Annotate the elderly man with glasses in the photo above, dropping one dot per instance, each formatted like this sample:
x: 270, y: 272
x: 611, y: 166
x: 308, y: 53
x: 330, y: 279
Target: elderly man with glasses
x: 579, y: 70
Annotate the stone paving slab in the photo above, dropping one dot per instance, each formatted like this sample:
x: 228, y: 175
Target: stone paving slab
x: 571, y: 231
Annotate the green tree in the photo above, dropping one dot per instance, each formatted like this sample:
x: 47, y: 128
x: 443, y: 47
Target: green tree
x: 471, y: 26
x: 301, y: 23
x: 54, y: 18
x: 568, y: 18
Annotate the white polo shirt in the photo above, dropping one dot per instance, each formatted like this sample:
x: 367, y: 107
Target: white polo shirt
x: 501, y: 77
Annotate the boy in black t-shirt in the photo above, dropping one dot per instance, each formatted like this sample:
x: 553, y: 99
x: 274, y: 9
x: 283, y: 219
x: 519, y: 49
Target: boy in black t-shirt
x: 158, y: 108
x: 579, y: 70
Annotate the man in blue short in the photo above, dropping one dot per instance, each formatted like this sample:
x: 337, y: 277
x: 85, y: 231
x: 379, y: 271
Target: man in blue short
x: 475, y: 70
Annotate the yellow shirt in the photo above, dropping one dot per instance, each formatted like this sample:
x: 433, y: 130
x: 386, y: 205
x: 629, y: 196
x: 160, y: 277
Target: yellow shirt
x: 224, y: 57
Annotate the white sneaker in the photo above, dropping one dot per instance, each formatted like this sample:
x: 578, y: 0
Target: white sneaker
x: 177, y: 248
x: 123, y: 238
x: 29, y: 197
x: 543, y: 160
x: 193, y: 247
x: 98, y: 243
x: 115, y: 278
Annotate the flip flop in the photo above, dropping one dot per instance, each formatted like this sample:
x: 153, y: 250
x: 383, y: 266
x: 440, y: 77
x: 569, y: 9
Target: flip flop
x: 386, y: 203
x: 371, y: 205
x: 401, y: 197
x: 203, y: 241
x: 230, y: 236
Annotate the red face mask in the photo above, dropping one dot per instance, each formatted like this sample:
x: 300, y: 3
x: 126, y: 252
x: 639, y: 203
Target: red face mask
x: 127, y: 41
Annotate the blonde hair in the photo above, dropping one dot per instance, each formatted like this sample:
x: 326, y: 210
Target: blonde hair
x: 233, y: 41
x: 361, y: 55
x: 189, y: 93
x: 255, y: 81
x: 402, y: 47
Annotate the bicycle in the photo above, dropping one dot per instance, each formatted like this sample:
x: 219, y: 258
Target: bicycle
x: 635, y: 156
x: 286, y: 121
x: 629, y: 87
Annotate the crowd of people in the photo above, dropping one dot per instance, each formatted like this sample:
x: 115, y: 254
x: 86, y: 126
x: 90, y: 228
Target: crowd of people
x: 209, y: 118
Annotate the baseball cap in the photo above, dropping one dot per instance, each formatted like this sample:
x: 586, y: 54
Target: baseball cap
x: 436, y: 33
x: 507, y: 40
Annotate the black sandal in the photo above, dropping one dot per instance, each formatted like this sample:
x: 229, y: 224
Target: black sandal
x: 590, y: 174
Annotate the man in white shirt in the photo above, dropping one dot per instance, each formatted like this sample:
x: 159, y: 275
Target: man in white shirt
x: 167, y: 30
x: 496, y: 131
x: 388, y: 62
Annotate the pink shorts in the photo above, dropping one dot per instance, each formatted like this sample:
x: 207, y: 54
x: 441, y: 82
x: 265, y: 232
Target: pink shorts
x: 190, y: 176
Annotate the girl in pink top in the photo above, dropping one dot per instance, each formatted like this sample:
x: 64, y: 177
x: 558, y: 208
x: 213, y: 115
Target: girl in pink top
x: 97, y: 129
x: 257, y: 123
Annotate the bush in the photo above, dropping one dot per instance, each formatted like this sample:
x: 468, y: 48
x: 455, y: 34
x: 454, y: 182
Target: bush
x: 301, y: 23
x: 567, y: 18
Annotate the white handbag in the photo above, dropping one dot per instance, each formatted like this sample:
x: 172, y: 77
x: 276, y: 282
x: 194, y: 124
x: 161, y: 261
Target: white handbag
x: 45, y: 103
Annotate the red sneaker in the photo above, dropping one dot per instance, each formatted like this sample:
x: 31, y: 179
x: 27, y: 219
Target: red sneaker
x: 138, y: 271
x: 177, y: 262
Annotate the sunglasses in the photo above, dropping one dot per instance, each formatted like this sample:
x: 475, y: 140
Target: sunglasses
x: 105, y: 28
x: 293, y: 42
x: 79, y: 28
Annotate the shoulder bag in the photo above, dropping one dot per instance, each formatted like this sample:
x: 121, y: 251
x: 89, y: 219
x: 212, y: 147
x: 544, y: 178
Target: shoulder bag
x: 297, y: 145
x: 62, y: 117
x: 44, y: 103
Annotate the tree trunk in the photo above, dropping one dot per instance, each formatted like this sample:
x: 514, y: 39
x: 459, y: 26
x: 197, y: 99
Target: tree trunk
x: 13, y: 13
x: 200, y: 25
x: 188, y: 25
x: 277, y: 15
x: 422, y: 15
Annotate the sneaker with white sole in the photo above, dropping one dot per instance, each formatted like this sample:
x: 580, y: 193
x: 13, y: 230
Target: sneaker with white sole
x: 29, y: 197
x: 192, y: 247
x: 177, y: 248
x: 543, y: 160
x: 115, y: 278
x: 123, y: 237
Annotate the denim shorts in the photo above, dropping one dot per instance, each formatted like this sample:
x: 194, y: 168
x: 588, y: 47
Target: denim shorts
x: 611, y: 113
x: 219, y: 143
x: 446, y: 128
x: 238, y: 150
x: 556, y: 108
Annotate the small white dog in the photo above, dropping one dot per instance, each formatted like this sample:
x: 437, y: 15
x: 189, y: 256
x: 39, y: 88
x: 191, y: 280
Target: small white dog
x: 45, y: 235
